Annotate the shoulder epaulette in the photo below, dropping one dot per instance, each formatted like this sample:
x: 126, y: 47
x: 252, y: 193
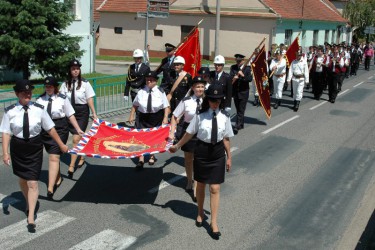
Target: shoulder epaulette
x: 10, y: 107
x: 225, y: 112
x: 61, y: 96
x: 186, y: 98
x: 161, y: 89
x: 38, y: 105
x: 83, y: 80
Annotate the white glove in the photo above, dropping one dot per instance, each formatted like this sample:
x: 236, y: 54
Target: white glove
x: 228, y: 109
x: 126, y: 98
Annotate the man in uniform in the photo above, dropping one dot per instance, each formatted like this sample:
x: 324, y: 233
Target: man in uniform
x: 299, y: 75
x: 167, y: 68
x: 218, y: 76
x: 242, y: 77
x: 336, y: 63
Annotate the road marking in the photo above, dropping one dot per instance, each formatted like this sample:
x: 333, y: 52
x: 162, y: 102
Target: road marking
x: 318, y: 105
x: 107, y: 239
x: 357, y: 84
x: 370, y: 77
x: 165, y: 184
x: 16, y: 234
x: 280, y: 124
x: 6, y: 201
x: 341, y: 93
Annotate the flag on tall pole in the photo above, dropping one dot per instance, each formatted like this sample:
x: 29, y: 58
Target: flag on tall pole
x: 259, y: 67
x: 190, y: 50
x: 291, y: 52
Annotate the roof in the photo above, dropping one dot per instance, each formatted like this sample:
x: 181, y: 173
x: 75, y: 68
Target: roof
x: 129, y: 6
x: 322, y: 10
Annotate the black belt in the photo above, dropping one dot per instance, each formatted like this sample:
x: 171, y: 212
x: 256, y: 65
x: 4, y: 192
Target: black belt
x: 58, y: 119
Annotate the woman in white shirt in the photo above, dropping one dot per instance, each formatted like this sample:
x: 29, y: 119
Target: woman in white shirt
x: 80, y: 94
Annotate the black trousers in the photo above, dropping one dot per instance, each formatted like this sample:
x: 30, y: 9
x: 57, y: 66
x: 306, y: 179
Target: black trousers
x: 367, y: 63
x: 317, y: 84
x: 240, y: 104
x: 354, y: 68
x: 340, y: 81
x: 332, y: 85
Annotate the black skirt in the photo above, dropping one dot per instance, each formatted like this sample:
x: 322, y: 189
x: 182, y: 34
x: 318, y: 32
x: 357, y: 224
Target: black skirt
x: 82, y: 113
x: 27, y: 157
x: 61, y: 126
x: 209, y: 162
x: 150, y: 120
x: 191, y: 144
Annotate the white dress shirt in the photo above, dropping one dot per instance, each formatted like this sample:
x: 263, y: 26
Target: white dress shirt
x: 158, y: 100
x: 82, y: 94
x: 187, y: 107
x: 61, y: 106
x: 12, y: 122
x: 202, y: 126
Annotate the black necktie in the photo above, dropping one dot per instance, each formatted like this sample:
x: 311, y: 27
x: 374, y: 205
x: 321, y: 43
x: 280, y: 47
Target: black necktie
x: 49, y: 107
x: 73, y: 97
x: 136, y: 68
x: 149, y: 100
x: 217, y: 77
x: 26, y: 132
x: 198, y: 106
x: 214, y: 128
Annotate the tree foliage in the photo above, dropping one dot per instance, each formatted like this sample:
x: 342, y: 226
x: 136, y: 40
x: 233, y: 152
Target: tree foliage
x: 360, y: 13
x: 32, y: 36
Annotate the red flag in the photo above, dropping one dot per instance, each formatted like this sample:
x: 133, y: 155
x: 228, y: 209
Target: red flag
x: 191, y: 52
x: 259, y: 68
x: 106, y: 140
x: 291, y: 52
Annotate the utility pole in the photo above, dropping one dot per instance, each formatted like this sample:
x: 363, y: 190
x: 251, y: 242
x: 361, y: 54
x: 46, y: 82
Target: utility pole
x: 146, y: 30
x: 217, y: 27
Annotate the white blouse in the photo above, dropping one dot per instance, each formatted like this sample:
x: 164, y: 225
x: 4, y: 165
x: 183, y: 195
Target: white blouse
x: 61, y: 106
x: 82, y: 94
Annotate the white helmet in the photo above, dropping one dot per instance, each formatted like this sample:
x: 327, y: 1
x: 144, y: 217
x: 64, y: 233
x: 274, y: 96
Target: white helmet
x: 219, y: 59
x: 138, y: 53
x: 179, y: 59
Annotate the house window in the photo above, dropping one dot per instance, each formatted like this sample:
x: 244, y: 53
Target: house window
x: 288, y: 37
x: 158, y: 33
x: 75, y: 9
x: 326, y: 36
x: 118, y: 30
x: 315, y: 37
x: 185, y: 30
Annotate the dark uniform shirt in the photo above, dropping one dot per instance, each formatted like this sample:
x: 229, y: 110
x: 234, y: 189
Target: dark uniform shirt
x: 167, y: 68
x: 180, y: 92
x: 242, y: 83
x: 226, y: 82
x: 136, y: 77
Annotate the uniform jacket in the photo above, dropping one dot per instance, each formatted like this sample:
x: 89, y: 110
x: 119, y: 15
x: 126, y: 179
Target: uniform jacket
x: 226, y: 82
x: 136, y: 80
x: 168, y: 74
x: 242, y: 84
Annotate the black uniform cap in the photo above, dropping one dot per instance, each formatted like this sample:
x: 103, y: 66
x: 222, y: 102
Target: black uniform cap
x: 50, y: 80
x: 169, y: 47
x: 239, y: 56
x: 152, y: 74
x: 215, y: 91
x: 74, y: 62
x: 23, y: 85
x: 204, y: 71
x: 199, y: 79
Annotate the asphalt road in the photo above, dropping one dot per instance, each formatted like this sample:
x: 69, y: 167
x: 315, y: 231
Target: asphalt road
x: 300, y: 180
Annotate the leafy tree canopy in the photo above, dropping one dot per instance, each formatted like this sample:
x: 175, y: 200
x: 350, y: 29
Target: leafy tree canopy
x: 32, y: 36
x: 360, y: 13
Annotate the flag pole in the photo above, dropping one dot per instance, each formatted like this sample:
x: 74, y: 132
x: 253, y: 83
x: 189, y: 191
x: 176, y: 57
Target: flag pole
x: 183, y: 40
x: 248, y: 60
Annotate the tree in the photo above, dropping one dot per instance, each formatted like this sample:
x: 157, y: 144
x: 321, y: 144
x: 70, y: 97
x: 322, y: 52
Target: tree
x: 32, y: 36
x: 360, y: 13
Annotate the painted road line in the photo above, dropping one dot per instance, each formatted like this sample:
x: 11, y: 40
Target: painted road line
x: 370, y: 77
x: 318, y: 105
x: 341, y: 93
x: 16, y: 234
x: 6, y: 201
x: 165, y: 184
x: 107, y: 239
x: 279, y: 125
x: 357, y: 84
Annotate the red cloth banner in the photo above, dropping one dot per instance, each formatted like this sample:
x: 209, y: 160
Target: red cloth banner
x: 259, y: 68
x: 107, y: 140
x: 291, y: 52
x: 190, y: 50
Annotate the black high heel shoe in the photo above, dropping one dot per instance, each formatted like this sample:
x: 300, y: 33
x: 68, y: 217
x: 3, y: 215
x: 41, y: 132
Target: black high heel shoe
x: 57, y: 185
x: 214, y: 235
x: 81, y: 165
x: 49, y: 195
x: 31, y: 227
x: 70, y: 173
x: 198, y: 224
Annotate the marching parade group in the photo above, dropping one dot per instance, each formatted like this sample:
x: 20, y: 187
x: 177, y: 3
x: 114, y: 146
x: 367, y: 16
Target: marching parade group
x: 198, y: 109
